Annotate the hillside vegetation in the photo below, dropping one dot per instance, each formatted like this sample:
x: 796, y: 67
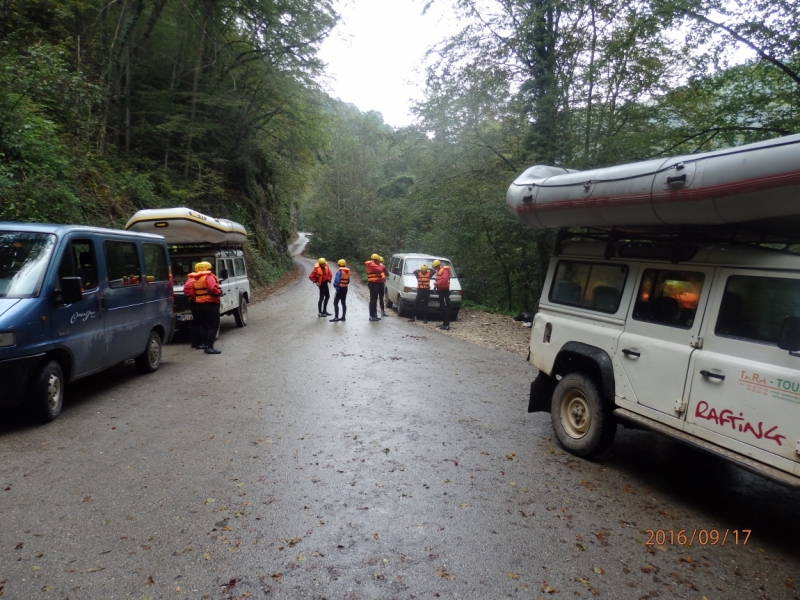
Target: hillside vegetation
x: 109, y: 107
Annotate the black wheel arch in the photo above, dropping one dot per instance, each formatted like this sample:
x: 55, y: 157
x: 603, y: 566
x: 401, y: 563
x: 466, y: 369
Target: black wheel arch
x: 592, y: 361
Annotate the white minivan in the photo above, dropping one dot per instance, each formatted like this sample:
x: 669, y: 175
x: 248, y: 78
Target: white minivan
x: 401, y: 284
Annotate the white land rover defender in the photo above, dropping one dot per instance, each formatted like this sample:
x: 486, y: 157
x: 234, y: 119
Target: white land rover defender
x: 193, y: 237
x: 673, y: 303
x: 695, y: 340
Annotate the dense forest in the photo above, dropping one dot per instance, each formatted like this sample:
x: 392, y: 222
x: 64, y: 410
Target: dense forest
x: 108, y: 107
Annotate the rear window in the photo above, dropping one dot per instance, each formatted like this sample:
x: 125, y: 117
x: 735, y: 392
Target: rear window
x: 753, y: 308
x: 594, y: 286
x: 412, y: 264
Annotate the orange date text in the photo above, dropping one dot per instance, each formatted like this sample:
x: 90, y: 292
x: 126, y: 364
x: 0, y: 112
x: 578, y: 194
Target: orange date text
x: 697, y: 537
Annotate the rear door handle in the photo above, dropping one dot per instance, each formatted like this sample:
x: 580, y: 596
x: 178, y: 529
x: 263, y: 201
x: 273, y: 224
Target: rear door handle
x: 631, y: 353
x: 705, y: 373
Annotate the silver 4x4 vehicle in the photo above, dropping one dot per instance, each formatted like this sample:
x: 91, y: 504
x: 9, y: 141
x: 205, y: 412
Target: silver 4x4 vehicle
x: 229, y: 267
x: 401, y: 284
x: 695, y: 340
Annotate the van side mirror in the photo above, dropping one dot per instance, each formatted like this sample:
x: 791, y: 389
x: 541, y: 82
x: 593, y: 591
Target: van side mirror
x: 789, y: 337
x: 70, y: 291
x: 223, y: 274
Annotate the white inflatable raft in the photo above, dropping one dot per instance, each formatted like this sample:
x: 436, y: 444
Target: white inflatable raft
x: 756, y: 184
x: 186, y: 226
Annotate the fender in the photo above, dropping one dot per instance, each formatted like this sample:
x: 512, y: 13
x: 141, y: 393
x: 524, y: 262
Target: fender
x: 576, y: 356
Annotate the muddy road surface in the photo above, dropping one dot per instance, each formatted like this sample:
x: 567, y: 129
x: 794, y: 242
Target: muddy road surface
x: 364, y: 460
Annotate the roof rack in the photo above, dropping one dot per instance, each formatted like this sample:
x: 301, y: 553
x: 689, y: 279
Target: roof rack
x: 677, y: 244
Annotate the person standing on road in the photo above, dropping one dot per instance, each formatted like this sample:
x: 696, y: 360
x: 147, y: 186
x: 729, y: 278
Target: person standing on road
x: 188, y: 293
x: 340, y: 283
x: 375, y: 279
x: 423, y: 275
x: 207, y: 294
x: 443, y: 287
x: 382, y: 289
x: 320, y: 275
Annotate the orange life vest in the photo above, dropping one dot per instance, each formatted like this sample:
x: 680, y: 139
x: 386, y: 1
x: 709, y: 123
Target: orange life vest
x: 424, y: 280
x: 374, y: 272
x: 443, y: 278
x: 201, y: 289
x: 345, y: 278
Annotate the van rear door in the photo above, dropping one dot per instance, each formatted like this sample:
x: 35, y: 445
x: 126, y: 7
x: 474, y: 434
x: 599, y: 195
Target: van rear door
x: 80, y: 327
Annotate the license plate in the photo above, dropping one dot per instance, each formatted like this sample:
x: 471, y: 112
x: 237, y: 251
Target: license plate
x: 433, y: 304
x: 184, y: 317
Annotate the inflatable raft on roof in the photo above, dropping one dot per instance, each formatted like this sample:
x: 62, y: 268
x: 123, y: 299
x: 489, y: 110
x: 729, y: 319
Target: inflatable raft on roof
x: 757, y: 185
x: 186, y: 226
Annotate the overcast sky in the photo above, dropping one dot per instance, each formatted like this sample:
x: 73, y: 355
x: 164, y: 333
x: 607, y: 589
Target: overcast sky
x: 375, y: 54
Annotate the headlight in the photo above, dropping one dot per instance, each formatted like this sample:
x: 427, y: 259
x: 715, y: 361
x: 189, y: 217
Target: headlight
x: 408, y: 290
x: 7, y: 339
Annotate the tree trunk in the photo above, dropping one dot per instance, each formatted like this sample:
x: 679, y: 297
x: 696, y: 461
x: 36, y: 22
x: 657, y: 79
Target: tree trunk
x: 198, y: 65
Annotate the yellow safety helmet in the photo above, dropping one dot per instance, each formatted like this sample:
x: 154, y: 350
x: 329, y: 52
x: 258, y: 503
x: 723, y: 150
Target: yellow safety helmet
x: 342, y: 262
x: 203, y: 266
x: 322, y: 261
x: 436, y: 263
x: 423, y: 268
x: 380, y: 259
x: 374, y: 257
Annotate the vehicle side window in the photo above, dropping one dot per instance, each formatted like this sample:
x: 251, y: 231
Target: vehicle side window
x: 229, y: 266
x: 79, y: 261
x: 122, y: 260
x: 221, y: 271
x: 395, y: 268
x: 668, y: 297
x: 399, y: 267
x: 589, y: 285
x: 753, y: 308
x: 238, y: 265
x: 155, y: 263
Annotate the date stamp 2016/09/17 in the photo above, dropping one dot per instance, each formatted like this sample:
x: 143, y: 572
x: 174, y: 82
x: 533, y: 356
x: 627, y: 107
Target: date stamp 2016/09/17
x: 701, y: 537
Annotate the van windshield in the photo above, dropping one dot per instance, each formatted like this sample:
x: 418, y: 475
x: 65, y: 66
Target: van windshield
x: 412, y: 264
x: 183, y: 265
x: 23, y: 260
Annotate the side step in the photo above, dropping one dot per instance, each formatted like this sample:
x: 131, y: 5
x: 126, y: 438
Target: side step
x: 749, y: 464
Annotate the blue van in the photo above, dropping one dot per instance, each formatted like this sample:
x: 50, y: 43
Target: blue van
x: 76, y: 300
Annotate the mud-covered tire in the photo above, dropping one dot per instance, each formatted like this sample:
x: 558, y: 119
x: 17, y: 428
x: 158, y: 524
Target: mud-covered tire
x: 149, y: 360
x: 45, y: 395
x: 454, y: 315
x: 583, y: 422
x: 240, y: 314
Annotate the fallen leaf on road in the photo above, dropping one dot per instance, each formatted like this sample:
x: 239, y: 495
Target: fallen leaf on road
x: 93, y: 569
x: 512, y: 575
x: 599, y: 570
x: 548, y: 589
x: 150, y: 580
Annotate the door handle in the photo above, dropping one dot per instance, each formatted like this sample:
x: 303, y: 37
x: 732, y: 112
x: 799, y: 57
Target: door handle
x: 631, y: 353
x: 705, y: 373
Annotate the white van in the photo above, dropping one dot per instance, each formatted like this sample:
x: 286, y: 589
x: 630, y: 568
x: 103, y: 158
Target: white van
x: 229, y: 267
x: 698, y: 341
x: 401, y: 284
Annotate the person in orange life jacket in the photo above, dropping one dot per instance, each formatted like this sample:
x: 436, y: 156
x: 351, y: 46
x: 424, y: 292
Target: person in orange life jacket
x: 206, y: 296
x: 188, y: 293
x: 375, y: 278
x: 423, y: 275
x: 320, y: 275
x: 443, y: 287
x: 382, y: 289
x: 340, y: 283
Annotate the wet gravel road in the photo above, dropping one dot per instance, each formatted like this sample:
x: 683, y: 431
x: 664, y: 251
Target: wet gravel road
x: 363, y: 460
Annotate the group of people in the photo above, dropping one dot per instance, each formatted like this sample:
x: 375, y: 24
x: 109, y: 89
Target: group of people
x: 377, y: 273
x: 203, y: 292
x: 321, y: 275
